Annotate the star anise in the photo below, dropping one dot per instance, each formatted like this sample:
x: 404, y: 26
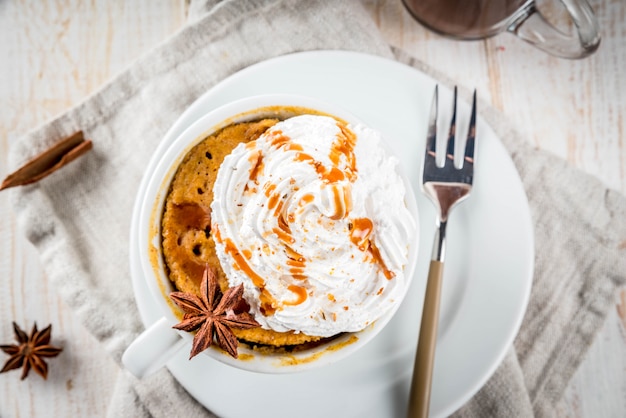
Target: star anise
x: 213, y: 315
x: 30, y: 351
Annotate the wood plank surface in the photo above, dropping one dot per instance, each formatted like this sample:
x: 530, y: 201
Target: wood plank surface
x: 54, y: 53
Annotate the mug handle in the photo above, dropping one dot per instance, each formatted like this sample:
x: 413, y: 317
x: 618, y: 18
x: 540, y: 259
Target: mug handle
x: 152, y: 349
x: 533, y: 28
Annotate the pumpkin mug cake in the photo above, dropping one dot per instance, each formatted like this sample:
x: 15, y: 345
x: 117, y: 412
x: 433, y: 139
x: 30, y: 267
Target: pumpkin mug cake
x: 305, y: 216
x: 276, y: 229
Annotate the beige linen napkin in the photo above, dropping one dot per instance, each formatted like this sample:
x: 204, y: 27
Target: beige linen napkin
x: 79, y: 217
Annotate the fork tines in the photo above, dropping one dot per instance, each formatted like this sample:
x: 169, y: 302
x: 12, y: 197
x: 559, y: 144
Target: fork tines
x: 432, y: 171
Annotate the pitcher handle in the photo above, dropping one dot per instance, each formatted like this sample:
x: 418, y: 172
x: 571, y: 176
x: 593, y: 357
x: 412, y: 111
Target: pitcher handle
x: 533, y: 28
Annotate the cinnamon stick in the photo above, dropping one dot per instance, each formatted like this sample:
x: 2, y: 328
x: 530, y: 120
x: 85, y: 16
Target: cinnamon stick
x: 49, y: 161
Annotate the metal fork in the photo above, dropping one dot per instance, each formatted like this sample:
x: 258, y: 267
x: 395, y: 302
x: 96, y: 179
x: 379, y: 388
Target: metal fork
x: 446, y: 186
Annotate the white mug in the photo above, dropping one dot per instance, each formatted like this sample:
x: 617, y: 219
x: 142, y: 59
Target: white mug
x: 157, y: 344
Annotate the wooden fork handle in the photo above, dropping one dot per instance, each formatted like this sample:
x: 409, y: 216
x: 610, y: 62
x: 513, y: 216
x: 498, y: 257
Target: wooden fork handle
x: 419, y: 396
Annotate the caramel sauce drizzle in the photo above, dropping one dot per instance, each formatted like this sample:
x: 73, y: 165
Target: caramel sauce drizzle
x: 342, y: 195
x: 294, y: 259
x: 268, y: 303
x: 279, y: 138
x: 284, y: 231
x: 298, y: 274
x: 306, y: 199
x: 344, y: 145
x: 300, y: 292
x: 379, y: 260
x: 273, y: 201
x: 360, y: 233
x: 257, y: 167
x: 283, y: 236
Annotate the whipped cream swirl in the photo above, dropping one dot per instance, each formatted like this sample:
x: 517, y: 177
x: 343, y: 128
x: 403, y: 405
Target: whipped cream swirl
x: 311, y: 218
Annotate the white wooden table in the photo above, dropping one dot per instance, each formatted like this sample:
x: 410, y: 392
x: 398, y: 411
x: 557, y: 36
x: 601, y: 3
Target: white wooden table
x: 55, y: 53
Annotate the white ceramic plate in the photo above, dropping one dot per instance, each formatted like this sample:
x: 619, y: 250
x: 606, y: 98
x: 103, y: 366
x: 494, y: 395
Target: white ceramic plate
x: 488, y: 271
